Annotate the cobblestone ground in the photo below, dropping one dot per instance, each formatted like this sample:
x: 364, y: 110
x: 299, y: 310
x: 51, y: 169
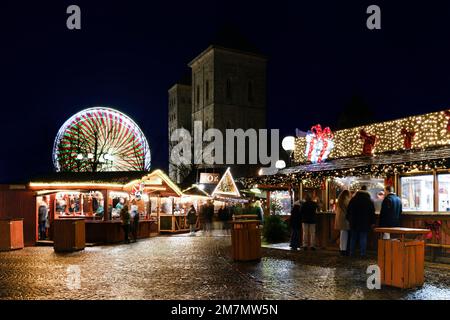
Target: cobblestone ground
x: 182, y: 267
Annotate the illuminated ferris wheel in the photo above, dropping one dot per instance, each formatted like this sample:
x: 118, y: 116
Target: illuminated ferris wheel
x: 100, y: 139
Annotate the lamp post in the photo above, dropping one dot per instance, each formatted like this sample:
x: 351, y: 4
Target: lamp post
x: 288, y: 145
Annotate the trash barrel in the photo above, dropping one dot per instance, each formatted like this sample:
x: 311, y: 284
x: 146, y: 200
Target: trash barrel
x: 69, y: 234
x: 246, y: 239
x: 401, y: 260
x: 11, y: 234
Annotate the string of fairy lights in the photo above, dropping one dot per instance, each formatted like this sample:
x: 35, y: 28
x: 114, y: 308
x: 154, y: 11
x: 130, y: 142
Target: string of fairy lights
x: 316, y: 178
x: 428, y: 130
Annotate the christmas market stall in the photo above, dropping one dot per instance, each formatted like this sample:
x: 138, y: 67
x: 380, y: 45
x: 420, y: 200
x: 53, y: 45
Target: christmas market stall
x: 164, y: 201
x: 411, y: 154
x: 97, y: 198
x: 194, y: 196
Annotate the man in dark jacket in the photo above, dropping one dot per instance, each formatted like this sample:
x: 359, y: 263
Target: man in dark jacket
x: 296, y: 223
x: 361, y: 215
x: 391, y: 210
x: 308, y: 214
x: 192, y: 219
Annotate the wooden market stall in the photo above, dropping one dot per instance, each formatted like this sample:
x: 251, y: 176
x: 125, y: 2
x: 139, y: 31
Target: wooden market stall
x: 197, y: 196
x: 95, y: 197
x: 411, y: 154
x: 164, y: 201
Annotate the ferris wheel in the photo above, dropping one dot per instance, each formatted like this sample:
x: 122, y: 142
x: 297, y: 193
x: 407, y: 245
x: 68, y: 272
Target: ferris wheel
x: 100, y: 139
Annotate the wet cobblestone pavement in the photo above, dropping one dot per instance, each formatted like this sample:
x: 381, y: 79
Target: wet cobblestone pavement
x: 182, y: 267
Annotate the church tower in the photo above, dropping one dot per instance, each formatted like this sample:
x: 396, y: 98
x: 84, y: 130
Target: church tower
x: 180, y: 109
x: 229, y: 92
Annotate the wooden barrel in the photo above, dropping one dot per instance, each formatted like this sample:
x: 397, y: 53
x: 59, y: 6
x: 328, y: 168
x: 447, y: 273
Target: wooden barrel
x: 401, y: 261
x: 246, y: 240
x: 69, y: 235
x: 11, y: 234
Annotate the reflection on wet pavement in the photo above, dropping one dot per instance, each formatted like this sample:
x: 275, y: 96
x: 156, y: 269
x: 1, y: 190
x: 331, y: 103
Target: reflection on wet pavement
x: 181, y: 267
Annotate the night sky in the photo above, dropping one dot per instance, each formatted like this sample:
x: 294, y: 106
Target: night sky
x: 129, y: 53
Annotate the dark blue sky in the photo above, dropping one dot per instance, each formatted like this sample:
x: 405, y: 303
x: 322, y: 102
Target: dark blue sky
x: 129, y: 53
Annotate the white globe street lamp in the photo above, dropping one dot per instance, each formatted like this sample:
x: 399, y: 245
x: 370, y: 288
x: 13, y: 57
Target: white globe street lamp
x: 280, y: 164
x: 288, y: 144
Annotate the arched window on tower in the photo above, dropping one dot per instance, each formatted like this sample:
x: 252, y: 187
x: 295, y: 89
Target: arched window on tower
x: 207, y: 91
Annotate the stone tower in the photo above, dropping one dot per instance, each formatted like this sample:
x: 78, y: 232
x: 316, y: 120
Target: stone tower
x: 180, y: 109
x: 229, y: 91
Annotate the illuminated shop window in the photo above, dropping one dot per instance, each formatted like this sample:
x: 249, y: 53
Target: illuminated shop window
x: 444, y: 192
x: 417, y: 193
x: 280, y: 202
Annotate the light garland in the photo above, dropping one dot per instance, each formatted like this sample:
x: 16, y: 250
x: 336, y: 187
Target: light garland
x: 430, y: 130
x: 317, y: 177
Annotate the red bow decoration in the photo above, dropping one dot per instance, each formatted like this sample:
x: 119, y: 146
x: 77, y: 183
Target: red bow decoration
x: 435, y: 230
x: 408, y: 137
x: 369, y: 142
x: 325, y: 135
x: 447, y: 114
x: 138, y: 189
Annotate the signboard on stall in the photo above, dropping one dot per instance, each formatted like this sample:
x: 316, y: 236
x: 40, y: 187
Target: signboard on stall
x: 209, y: 177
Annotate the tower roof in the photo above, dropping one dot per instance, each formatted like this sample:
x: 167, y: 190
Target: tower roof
x: 231, y: 39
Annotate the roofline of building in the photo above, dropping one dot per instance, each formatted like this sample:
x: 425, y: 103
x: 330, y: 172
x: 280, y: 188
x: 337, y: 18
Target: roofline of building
x: 213, y: 46
x: 179, y: 84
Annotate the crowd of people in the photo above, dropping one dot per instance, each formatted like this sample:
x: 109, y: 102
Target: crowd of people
x: 355, y: 217
x: 206, y: 215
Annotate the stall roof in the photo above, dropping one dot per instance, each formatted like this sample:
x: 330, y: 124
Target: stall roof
x: 115, y: 177
x: 194, y: 190
x: 408, y: 156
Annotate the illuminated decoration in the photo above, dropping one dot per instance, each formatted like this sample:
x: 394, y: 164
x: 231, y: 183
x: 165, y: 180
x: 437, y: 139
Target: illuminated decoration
x: 196, y: 191
x: 316, y: 178
x: 73, y: 184
x: 100, y: 139
x: 408, y: 138
x: 288, y: 143
x: 156, y: 177
x: 226, y: 186
x: 447, y: 115
x: 431, y: 130
x: 280, y: 164
x: 138, y: 189
x: 369, y: 142
x: 319, y: 143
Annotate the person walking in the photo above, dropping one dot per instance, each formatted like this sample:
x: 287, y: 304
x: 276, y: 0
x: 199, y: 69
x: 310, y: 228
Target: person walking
x: 135, y: 216
x: 42, y: 219
x: 125, y: 216
x: 361, y: 215
x: 296, y: 223
x: 192, y: 219
x: 308, y: 214
x: 341, y: 223
x: 209, y: 214
x: 259, y: 211
x: 391, y: 211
